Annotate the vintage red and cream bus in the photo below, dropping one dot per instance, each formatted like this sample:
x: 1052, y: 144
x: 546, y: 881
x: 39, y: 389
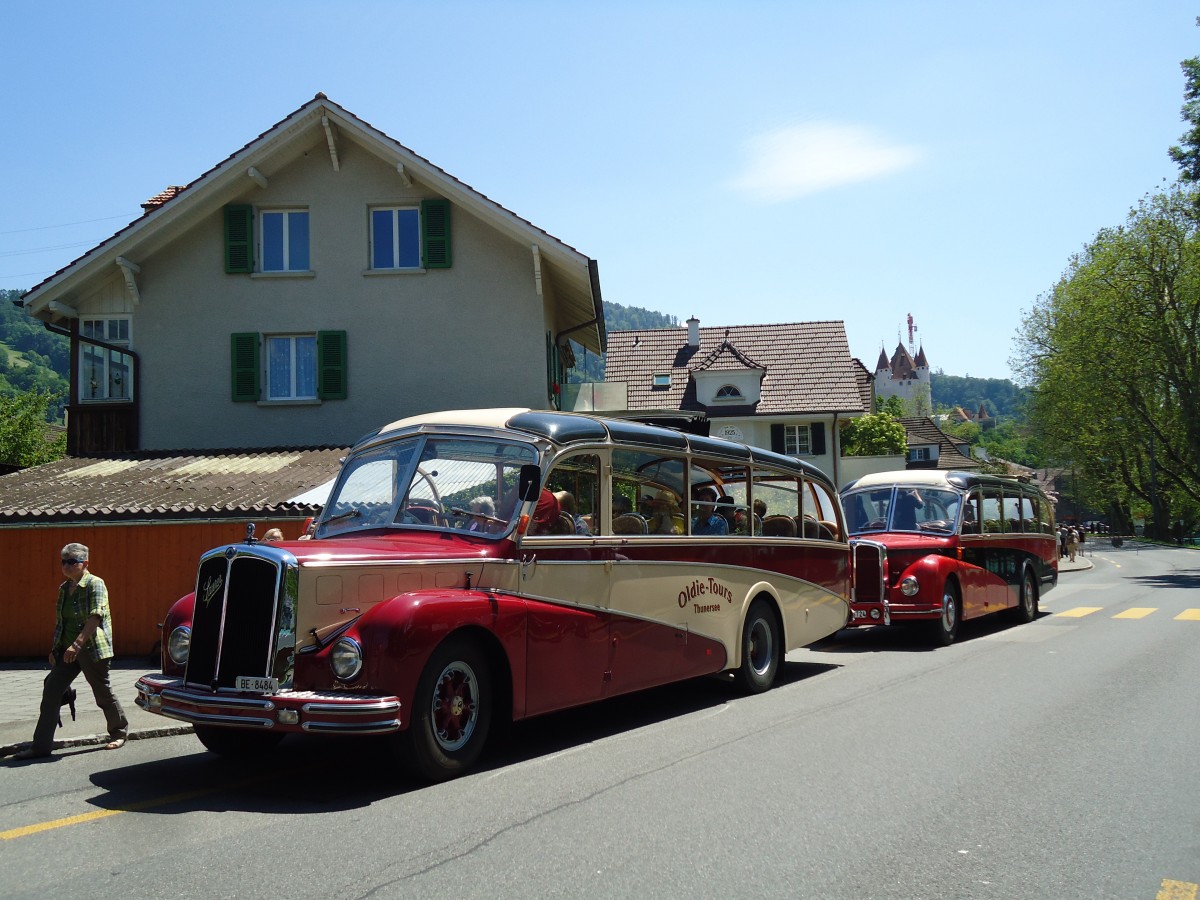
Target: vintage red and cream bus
x: 474, y: 567
x: 958, y: 545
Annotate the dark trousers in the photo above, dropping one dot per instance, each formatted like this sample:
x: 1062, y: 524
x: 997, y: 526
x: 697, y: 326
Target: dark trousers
x: 59, y: 679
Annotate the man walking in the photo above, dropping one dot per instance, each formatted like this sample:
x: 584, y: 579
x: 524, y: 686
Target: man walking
x: 82, y: 643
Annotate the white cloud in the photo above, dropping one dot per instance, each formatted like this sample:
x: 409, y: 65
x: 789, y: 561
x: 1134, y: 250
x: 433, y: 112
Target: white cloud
x: 797, y: 160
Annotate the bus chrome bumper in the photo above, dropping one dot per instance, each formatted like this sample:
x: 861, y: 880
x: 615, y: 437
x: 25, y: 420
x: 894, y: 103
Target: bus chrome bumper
x: 287, y: 711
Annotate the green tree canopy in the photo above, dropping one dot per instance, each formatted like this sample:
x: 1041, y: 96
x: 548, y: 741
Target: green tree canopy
x: 875, y: 434
x: 1111, y: 356
x: 23, y: 434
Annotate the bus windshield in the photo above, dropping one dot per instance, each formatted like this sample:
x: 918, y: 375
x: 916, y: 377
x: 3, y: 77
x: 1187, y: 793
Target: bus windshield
x: 461, y: 484
x: 902, y: 508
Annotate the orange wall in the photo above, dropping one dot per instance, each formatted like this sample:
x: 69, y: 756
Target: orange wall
x: 147, y: 567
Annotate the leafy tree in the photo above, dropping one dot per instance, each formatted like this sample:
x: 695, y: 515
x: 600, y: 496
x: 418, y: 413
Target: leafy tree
x: 1187, y: 156
x: 893, y: 406
x: 876, y: 434
x: 1111, y: 356
x: 23, y: 435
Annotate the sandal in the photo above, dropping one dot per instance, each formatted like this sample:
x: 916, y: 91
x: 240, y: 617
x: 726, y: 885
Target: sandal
x: 115, y: 744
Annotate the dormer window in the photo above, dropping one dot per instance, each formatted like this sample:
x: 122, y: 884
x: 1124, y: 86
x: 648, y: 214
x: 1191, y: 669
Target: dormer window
x: 728, y: 392
x: 662, y: 380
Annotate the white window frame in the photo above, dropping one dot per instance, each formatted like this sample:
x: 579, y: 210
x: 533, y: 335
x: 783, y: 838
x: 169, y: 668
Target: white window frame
x: 292, y: 396
x: 394, y: 209
x: 793, y: 445
x: 110, y: 374
x: 727, y: 392
x: 662, y: 379
x: 285, y: 250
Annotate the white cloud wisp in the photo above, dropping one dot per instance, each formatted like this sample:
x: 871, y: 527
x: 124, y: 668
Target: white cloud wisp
x: 798, y: 160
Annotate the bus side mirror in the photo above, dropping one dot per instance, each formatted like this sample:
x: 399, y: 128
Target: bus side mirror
x: 529, y: 486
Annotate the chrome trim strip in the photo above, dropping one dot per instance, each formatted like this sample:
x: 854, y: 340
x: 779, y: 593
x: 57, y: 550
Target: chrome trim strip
x: 185, y: 715
x: 380, y: 727
x: 217, y: 701
x: 346, y: 709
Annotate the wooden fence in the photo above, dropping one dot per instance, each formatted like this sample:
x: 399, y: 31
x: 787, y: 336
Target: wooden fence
x: 146, y: 565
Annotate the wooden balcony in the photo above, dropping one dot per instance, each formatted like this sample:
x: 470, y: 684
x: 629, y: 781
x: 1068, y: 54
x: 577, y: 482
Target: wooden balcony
x: 101, y: 428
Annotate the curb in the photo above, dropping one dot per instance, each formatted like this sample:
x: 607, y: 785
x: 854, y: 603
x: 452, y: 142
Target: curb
x: 96, y: 739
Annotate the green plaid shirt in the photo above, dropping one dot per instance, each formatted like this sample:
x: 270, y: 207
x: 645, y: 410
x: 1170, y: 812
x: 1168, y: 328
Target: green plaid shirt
x: 90, y: 599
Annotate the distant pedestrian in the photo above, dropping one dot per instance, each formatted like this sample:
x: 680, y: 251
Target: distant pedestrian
x: 1062, y: 541
x: 82, y: 642
x: 1072, y: 544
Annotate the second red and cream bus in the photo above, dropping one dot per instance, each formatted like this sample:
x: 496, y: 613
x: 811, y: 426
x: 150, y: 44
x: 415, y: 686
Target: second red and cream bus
x: 478, y: 566
x: 959, y: 545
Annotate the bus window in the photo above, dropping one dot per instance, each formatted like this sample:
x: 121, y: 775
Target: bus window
x: 970, y: 513
x: 575, y: 482
x: 661, y: 486
x: 780, y: 496
x: 1012, y: 510
x: 1029, y: 519
x: 993, y: 520
x: 820, y: 513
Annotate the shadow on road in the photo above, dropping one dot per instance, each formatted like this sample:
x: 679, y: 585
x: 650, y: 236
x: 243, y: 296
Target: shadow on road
x: 309, y: 774
x: 912, y: 637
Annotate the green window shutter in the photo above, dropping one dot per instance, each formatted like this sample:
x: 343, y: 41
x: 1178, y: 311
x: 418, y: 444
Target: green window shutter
x: 239, y: 239
x: 244, y: 365
x: 435, y: 234
x: 777, y: 443
x: 331, y: 365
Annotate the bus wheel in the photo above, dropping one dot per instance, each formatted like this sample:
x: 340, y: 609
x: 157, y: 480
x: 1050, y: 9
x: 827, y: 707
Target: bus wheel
x: 1027, y: 604
x: 237, y: 742
x: 452, y: 711
x: 945, y: 628
x: 762, y: 648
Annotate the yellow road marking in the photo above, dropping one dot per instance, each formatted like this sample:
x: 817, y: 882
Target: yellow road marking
x: 1080, y: 611
x: 1189, y: 615
x: 27, y: 830
x: 1137, y: 612
x: 1177, y: 890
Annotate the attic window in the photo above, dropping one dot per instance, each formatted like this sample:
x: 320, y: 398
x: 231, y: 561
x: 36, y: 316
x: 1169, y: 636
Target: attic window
x: 729, y: 392
x: 662, y: 380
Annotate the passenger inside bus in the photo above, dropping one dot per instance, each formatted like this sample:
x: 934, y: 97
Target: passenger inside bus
x: 666, y: 517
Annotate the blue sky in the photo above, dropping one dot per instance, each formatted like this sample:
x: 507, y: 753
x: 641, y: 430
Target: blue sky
x: 746, y: 163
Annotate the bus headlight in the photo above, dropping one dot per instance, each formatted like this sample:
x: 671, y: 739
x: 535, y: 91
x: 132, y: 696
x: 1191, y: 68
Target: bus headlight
x: 179, y: 645
x: 909, y: 586
x: 346, y: 659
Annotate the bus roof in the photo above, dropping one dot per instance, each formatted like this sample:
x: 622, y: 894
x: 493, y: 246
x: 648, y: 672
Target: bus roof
x: 564, y: 429
x: 936, y: 478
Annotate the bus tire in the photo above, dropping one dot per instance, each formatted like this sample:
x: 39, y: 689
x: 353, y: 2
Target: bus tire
x: 762, y: 648
x: 1027, y: 604
x: 944, y: 629
x: 452, y: 711
x: 237, y: 743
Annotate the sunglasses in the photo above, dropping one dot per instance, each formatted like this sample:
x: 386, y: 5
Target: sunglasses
x: 69, y: 561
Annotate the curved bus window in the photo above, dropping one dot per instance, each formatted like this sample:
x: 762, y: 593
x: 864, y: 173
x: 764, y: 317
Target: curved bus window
x: 992, y: 511
x: 820, y: 518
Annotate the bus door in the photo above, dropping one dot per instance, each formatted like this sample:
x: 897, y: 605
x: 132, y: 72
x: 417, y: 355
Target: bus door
x: 974, y: 578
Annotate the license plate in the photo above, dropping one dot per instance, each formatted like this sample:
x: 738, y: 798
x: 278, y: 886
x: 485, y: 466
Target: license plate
x: 257, y: 684
x: 859, y: 613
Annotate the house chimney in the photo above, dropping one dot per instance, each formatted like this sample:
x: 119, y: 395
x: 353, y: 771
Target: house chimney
x: 693, y: 325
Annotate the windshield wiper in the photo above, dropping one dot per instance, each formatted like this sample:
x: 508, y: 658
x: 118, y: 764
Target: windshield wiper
x: 348, y: 514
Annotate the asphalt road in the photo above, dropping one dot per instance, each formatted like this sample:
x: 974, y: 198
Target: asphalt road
x: 1050, y: 760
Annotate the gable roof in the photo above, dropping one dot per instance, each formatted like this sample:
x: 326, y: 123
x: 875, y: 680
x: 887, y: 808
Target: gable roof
x: 806, y: 367
x: 174, y: 487
x: 921, y: 431
x: 574, y: 278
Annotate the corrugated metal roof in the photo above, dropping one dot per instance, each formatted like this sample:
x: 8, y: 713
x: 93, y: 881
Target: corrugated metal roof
x: 216, y: 484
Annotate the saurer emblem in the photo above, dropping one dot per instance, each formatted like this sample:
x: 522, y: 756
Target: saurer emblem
x: 210, y: 589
